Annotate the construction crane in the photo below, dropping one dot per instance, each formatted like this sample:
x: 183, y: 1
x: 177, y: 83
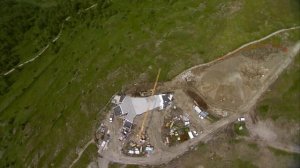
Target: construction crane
x: 141, y: 132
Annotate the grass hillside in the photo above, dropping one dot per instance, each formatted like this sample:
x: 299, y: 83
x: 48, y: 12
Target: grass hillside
x: 282, y: 102
x: 49, y: 107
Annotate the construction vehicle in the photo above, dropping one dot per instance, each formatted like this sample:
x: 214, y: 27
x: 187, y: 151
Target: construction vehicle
x: 142, y: 133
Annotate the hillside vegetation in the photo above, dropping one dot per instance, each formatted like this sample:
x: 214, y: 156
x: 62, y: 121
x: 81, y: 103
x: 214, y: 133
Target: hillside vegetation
x: 49, y: 108
x: 282, y: 102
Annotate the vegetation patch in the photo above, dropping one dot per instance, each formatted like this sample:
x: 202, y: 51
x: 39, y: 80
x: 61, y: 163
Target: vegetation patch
x: 253, y: 146
x: 88, y: 156
x: 282, y: 101
x: 238, y: 163
x: 114, y: 165
x: 240, y: 129
x: 295, y: 157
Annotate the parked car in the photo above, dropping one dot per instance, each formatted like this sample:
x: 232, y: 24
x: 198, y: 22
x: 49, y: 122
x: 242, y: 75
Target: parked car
x: 111, y: 117
x: 195, y: 133
x: 241, y: 119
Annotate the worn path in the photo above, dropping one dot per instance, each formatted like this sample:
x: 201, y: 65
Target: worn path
x: 238, y: 49
x: 48, y: 45
x: 81, y: 152
x: 103, y: 163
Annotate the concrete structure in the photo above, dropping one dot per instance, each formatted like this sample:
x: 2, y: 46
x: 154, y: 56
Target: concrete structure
x: 129, y: 107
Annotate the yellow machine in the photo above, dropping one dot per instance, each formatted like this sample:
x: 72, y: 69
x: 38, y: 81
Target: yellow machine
x: 141, y: 133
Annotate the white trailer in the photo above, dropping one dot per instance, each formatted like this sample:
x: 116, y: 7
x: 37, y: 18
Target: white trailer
x: 197, y: 109
x: 241, y: 119
x: 191, y: 135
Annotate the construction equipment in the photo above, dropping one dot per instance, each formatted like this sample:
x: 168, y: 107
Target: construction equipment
x: 141, y: 134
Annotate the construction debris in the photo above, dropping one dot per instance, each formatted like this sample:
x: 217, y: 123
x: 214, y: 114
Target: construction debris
x: 102, y: 137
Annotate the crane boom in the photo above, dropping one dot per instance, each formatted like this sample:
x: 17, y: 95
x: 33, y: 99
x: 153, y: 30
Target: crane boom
x: 146, y: 113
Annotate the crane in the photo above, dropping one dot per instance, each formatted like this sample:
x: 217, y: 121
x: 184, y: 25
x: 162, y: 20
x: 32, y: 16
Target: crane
x: 139, y: 135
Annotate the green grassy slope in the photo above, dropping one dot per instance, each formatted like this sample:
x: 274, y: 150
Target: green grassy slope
x: 54, y: 102
x: 87, y: 157
x: 283, y: 100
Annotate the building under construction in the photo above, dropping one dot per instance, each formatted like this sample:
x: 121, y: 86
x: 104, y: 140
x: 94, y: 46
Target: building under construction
x: 128, y: 107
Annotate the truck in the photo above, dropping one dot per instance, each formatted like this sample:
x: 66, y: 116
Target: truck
x: 111, y: 118
x: 191, y: 135
x: 197, y: 109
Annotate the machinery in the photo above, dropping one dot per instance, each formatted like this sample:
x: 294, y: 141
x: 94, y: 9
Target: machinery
x: 141, y: 133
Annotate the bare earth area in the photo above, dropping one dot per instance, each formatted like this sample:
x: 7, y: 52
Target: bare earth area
x: 230, y: 87
x: 269, y: 134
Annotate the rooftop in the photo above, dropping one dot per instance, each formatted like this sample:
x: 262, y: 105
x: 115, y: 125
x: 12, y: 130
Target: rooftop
x: 130, y: 107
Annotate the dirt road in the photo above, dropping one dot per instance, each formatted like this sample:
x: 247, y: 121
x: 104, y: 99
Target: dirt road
x: 163, y: 156
x: 81, y: 151
x: 238, y: 49
x: 276, y: 73
x: 103, y: 163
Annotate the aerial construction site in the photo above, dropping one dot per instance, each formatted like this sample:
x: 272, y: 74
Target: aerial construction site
x: 154, y: 125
